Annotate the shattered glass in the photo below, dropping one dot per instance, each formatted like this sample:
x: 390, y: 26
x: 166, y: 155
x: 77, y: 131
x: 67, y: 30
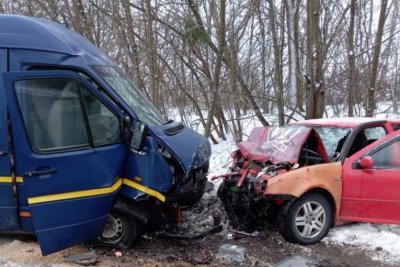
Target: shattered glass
x: 330, y: 135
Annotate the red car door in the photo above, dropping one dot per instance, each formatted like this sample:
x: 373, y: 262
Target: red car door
x: 377, y: 199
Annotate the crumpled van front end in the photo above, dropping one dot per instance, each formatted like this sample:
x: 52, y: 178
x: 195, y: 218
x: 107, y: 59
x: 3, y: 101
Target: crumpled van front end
x: 178, y: 160
x: 170, y: 169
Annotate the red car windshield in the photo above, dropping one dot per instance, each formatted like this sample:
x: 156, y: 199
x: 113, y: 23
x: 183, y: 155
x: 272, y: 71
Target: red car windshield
x: 330, y: 135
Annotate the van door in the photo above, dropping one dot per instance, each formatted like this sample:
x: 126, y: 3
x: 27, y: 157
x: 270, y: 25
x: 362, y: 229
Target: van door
x: 69, y: 151
x: 8, y: 209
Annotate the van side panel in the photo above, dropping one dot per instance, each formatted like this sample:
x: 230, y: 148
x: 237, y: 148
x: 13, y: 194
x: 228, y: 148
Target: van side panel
x: 8, y: 211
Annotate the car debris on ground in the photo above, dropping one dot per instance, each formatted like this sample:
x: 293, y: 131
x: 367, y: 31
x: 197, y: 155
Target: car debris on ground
x: 232, y: 253
x: 85, y: 259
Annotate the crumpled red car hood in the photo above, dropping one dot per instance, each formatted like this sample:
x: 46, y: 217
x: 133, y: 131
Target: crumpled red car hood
x: 279, y: 145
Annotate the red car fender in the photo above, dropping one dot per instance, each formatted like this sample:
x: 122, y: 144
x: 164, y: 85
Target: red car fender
x: 300, y: 181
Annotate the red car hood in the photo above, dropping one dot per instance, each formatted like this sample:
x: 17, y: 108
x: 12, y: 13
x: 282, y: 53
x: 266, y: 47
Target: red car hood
x: 279, y: 145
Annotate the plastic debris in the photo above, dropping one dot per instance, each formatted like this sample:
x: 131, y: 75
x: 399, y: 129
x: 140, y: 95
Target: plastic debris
x: 117, y: 254
x: 232, y: 253
x: 298, y: 261
x: 254, y: 234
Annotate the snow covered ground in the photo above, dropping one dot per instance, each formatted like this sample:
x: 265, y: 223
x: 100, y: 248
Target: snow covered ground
x: 381, y: 240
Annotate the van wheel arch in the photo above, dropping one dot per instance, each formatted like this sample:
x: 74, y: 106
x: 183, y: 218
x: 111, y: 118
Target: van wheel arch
x: 137, y: 210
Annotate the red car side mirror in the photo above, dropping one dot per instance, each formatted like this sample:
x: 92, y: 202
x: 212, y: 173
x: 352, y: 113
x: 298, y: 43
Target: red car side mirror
x: 366, y: 162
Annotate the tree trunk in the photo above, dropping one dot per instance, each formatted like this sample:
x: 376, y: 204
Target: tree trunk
x: 263, y: 55
x: 351, y: 61
x: 154, y: 74
x: 300, y: 93
x: 395, y: 85
x: 278, y: 80
x: 218, y: 66
x: 292, y: 21
x: 316, y: 92
x: 372, y: 92
x: 131, y: 43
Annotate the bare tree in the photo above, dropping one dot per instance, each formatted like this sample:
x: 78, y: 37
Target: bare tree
x: 315, y: 58
x: 351, y: 60
x: 372, y: 93
x: 223, y: 60
x: 278, y: 79
x: 293, y: 45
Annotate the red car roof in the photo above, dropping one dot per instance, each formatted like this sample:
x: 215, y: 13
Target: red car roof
x: 347, y: 122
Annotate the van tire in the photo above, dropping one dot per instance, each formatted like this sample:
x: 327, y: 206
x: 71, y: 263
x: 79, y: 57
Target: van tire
x: 313, y: 211
x: 121, y: 231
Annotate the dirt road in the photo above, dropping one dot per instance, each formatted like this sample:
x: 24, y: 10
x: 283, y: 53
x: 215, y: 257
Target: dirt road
x: 266, y: 249
x: 261, y: 251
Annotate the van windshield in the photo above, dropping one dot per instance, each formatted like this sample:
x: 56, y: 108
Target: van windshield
x: 135, y: 99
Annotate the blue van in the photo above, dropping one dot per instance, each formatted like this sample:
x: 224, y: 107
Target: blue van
x: 83, y: 154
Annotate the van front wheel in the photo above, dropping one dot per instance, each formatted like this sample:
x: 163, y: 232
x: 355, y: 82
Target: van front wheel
x: 121, y: 230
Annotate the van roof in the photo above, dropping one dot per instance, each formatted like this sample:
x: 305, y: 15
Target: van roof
x: 21, y: 32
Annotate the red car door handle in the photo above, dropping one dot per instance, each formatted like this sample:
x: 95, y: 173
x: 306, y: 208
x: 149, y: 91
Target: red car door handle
x: 40, y: 173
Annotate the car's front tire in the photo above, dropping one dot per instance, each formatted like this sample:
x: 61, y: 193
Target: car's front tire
x: 308, y: 220
x: 121, y: 230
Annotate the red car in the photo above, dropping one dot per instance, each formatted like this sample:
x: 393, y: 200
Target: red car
x: 311, y: 175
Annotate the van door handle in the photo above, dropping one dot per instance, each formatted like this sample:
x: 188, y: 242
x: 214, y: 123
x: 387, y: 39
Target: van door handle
x: 40, y: 173
x: 3, y: 153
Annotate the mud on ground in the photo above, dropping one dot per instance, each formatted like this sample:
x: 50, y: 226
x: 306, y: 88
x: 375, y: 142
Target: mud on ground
x: 261, y: 251
x: 266, y: 249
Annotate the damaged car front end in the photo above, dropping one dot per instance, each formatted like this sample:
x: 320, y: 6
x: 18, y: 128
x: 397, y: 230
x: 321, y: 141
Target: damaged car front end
x: 279, y: 176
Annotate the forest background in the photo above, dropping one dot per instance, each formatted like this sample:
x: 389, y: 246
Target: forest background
x: 224, y: 60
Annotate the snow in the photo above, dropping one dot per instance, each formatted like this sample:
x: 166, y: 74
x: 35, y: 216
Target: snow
x: 382, y: 242
x: 221, y: 156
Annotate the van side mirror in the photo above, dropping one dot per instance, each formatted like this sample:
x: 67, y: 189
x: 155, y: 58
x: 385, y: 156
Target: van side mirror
x: 139, y: 135
x: 366, y: 162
